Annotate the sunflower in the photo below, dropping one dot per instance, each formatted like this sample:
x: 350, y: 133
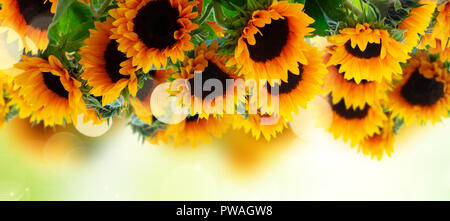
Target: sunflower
x: 4, y: 108
x: 107, y: 70
x: 299, y: 88
x: 424, y: 93
x: 272, y: 44
x: 48, y: 91
x: 29, y: 18
x: 195, y: 130
x: 158, y: 137
x: 380, y: 143
x: 441, y: 30
x: 439, y: 40
x: 141, y: 102
x: 220, y: 32
x: 417, y: 22
x: 151, y: 31
x: 212, y: 67
x: 435, y: 47
x: 354, y: 124
x: 25, y: 109
x: 256, y: 125
x: 356, y: 95
x: 367, y: 54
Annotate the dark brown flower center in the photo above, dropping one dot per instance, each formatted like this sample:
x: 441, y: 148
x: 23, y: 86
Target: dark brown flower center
x: 287, y: 87
x: 156, y: 23
x: 271, y: 43
x: 422, y: 91
x: 113, y: 58
x: 210, y: 72
x: 36, y: 13
x: 194, y: 118
x: 144, y: 92
x: 372, y: 50
x: 54, y: 84
x: 351, y: 113
x: 363, y: 82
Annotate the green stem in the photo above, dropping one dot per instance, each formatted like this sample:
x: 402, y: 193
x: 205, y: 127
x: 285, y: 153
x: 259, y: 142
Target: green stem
x: 102, y: 9
x: 91, y: 6
x: 207, y: 13
x: 363, y: 7
x: 351, y: 6
x: 220, y: 16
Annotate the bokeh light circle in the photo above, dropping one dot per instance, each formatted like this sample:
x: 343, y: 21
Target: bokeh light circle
x: 90, y: 129
x: 164, y: 106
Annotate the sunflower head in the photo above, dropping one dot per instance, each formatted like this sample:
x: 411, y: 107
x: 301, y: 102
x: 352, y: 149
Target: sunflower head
x: 269, y: 126
x: 30, y: 19
x: 417, y: 22
x: 107, y: 70
x: 424, y: 94
x: 438, y: 41
x: 435, y: 46
x: 298, y: 90
x: 208, y: 65
x: 151, y: 31
x: 141, y: 102
x: 271, y: 43
x: 48, y: 92
x: 366, y: 53
x: 194, y: 130
x: 441, y: 30
x: 379, y: 144
x: 344, y: 120
x: 355, y: 94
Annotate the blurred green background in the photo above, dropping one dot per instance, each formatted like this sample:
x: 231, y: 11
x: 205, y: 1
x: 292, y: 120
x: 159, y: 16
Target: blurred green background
x: 62, y: 164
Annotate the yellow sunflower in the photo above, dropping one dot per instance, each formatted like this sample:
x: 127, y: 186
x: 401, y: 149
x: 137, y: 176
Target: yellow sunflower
x: 25, y: 109
x: 354, y: 124
x: 29, y: 18
x: 107, y: 69
x: 424, y: 93
x: 260, y: 124
x: 299, y: 88
x: 195, y: 130
x: 4, y: 108
x: 220, y: 32
x: 158, y: 137
x: 48, y: 90
x: 3, y: 111
x: 272, y: 44
x: 380, y: 143
x: 151, y: 31
x: 435, y: 47
x: 439, y: 39
x: 211, y: 66
x: 367, y: 54
x: 417, y: 22
x: 141, y: 102
x: 356, y: 95
x: 441, y: 30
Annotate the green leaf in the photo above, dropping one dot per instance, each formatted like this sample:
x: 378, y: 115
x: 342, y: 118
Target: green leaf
x: 61, y: 7
x: 227, y: 4
x: 71, y: 25
x: 397, y: 5
x: 325, y: 13
x: 398, y: 35
x: 398, y: 124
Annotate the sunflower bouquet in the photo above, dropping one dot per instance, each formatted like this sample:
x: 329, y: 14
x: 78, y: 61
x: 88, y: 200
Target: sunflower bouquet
x: 380, y: 64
